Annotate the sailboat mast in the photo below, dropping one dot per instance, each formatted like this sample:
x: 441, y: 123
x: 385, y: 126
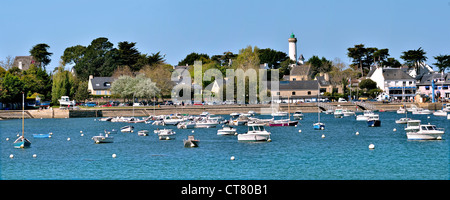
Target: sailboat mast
x: 23, y: 114
x: 318, y: 108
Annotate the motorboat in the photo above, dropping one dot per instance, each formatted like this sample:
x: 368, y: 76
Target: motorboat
x: 279, y: 114
x: 374, y: 121
x: 329, y: 112
x: 103, y: 138
x: 240, y: 121
x: 251, y: 112
x: 166, y: 134
x: 365, y: 115
x: 65, y: 101
x: 235, y: 115
x: 338, y: 112
x: 105, y: 119
x: 206, y: 124
x: 191, y: 142
x: 440, y: 113
x: 283, y: 122
x: 401, y: 110
x: 126, y: 129
x: 421, y: 111
x: 412, y: 108
x: 426, y: 132
x: 319, y: 126
x: 172, y: 120
x: 143, y: 133
x: 348, y: 113
x: 298, y: 115
x: 412, y: 126
x: 255, y: 133
x: 186, y: 125
x: 446, y: 107
x: 226, y: 130
x: 403, y: 120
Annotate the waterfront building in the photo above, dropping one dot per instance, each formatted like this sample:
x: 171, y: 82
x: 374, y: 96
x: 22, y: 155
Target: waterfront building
x: 395, y: 83
x: 441, y: 85
x: 99, y: 85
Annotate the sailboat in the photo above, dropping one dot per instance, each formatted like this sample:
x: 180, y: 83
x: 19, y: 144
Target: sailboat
x: 319, y: 125
x: 22, y: 142
x: 405, y: 119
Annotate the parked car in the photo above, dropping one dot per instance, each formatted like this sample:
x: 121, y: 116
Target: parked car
x: 168, y: 103
x: 90, y: 104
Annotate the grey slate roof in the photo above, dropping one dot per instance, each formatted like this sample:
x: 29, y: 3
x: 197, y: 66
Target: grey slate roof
x: 426, y: 79
x: 101, y: 83
x: 395, y: 74
x: 299, y: 85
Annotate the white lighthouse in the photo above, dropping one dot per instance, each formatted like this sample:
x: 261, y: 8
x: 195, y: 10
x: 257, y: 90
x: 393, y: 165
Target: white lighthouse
x: 293, y: 48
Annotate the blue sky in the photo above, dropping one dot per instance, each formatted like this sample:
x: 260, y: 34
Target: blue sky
x: 176, y: 28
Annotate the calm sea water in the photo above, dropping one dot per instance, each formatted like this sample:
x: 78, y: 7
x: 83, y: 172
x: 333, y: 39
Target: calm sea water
x: 290, y: 155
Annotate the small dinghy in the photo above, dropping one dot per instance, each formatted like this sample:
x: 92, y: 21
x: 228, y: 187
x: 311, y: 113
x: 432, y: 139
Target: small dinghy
x: 126, y: 129
x: 103, y: 138
x: 143, y: 133
x: 190, y: 142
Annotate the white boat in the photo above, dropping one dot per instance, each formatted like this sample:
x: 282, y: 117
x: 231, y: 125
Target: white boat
x: 105, y: 119
x: 426, y: 132
x: 252, y: 113
x: 186, y: 125
x: 365, y: 115
x: 448, y: 116
x: 65, y: 101
x: 191, y: 142
x: 403, y: 120
x: 421, y: 111
x: 126, y: 129
x: 103, y: 138
x: 298, y: 115
x: 412, y: 108
x: 255, y: 133
x: 412, y: 126
x: 401, y: 110
x: 338, y: 112
x: 206, y: 124
x: 143, y: 133
x: 440, y: 113
x: 446, y: 107
x: 235, y: 114
x: 172, y: 120
x: 226, y: 130
x: 348, y: 113
x: 166, y: 134
x: 279, y: 114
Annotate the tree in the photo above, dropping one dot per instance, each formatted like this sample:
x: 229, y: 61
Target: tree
x: 367, y: 84
x: 272, y: 57
x: 248, y: 58
x: 8, y: 63
x: 139, y: 87
x: 442, y: 62
x: 62, y: 84
x: 11, y: 88
x: 224, y: 60
x: 319, y: 65
x: 40, y: 54
x: 392, y: 62
x: 380, y: 56
x: 128, y: 55
x: 357, y: 54
x: 413, y: 58
x: 189, y: 60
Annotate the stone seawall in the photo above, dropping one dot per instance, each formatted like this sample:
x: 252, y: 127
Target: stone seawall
x: 192, y: 110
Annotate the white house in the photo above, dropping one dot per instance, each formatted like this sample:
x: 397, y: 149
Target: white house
x: 395, y: 83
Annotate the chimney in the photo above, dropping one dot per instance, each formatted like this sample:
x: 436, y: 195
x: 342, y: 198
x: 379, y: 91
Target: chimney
x: 91, y: 77
x: 327, y: 77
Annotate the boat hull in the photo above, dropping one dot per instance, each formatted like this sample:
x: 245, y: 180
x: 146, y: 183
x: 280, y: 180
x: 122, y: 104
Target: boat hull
x: 319, y: 126
x: 253, y: 137
x: 103, y: 139
x: 374, y: 123
x: 190, y: 143
x: 22, y: 144
x: 289, y: 123
x: 424, y: 136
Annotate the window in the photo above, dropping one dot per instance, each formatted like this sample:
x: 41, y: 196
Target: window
x: 293, y: 93
x: 309, y: 92
x: 294, y: 79
x: 410, y: 83
x: 278, y: 93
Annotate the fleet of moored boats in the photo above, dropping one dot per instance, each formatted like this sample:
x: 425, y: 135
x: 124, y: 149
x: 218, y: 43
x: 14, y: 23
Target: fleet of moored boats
x: 256, y: 131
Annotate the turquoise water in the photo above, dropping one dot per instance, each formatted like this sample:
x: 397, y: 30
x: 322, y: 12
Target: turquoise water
x: 290, y: 155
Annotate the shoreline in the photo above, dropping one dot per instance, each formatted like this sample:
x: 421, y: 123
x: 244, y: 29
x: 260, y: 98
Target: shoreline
x: 195, y: 110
